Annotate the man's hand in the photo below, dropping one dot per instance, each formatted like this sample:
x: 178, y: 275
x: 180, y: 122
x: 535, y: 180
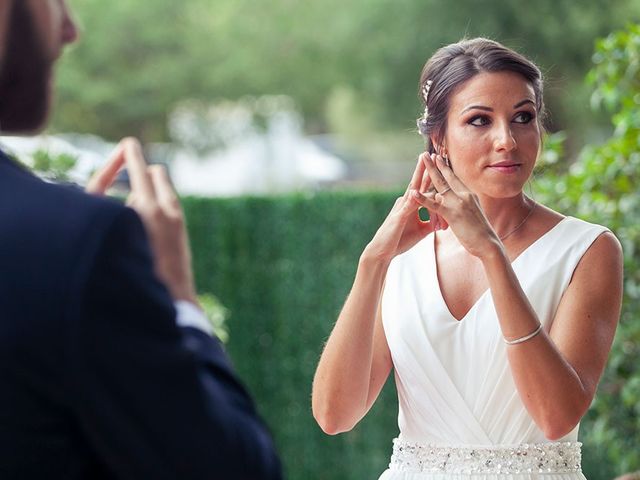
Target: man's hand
x: 155, y: 200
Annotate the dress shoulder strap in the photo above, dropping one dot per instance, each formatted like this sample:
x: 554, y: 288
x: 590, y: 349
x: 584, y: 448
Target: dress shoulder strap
x: 547, y: 267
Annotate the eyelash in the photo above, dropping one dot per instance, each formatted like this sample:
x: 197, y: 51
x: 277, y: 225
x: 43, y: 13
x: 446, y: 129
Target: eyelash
x: 528, y: 118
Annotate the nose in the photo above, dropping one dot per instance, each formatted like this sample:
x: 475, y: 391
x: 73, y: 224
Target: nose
x: 69, y: 30
x: 504, y: 140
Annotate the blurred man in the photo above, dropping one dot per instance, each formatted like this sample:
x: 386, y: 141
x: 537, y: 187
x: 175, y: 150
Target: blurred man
x: 106, y: 367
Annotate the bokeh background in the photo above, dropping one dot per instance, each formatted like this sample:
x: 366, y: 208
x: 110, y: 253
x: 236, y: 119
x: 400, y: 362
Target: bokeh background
x: 298, y: 119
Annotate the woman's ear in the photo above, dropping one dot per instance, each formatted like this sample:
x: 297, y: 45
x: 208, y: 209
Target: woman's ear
x: 442, y: 150
x: 433, y: 144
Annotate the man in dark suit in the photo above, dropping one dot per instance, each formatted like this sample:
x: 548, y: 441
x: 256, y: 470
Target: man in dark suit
x: 107, y: 370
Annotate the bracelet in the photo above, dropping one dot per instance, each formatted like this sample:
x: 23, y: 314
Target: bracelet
x: 525, y: 338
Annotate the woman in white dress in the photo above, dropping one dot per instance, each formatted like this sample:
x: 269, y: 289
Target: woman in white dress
x: 497, y: 315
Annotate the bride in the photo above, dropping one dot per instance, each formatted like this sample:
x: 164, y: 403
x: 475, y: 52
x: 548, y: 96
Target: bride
x: 497, y: 315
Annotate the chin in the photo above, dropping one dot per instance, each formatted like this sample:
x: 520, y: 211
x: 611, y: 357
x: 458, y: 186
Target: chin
x: 505, y: 193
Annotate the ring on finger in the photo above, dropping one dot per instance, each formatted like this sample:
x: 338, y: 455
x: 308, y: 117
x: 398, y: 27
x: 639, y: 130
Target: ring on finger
x: 445, y: 191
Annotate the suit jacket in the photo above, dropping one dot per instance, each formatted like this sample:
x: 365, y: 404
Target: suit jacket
x: 96, y: 379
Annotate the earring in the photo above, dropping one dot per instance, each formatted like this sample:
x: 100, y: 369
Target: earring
x: 445, y: 157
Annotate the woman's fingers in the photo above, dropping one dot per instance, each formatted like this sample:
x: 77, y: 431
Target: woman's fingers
x: 416, y: 178
x: 428, y: 201
x: 426, y: 180
x: 436, y: 176
x: 449, y: 176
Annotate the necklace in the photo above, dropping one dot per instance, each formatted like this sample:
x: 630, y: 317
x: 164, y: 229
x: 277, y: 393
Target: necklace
x: 533, y: 207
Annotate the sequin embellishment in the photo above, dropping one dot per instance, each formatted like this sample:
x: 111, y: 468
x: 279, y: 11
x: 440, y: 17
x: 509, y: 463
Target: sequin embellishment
x: 556, y: 457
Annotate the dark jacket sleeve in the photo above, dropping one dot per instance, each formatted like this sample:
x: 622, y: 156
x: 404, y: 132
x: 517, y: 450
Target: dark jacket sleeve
x: 155, y: 400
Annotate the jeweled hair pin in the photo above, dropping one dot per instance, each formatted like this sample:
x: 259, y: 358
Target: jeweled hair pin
x: 422, y: 121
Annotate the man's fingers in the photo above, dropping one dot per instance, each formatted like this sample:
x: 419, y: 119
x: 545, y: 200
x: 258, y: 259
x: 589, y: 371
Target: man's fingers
x: 102, y: 179
x: 131, y: 200
x: 139, y: 176
x: 165, y: 193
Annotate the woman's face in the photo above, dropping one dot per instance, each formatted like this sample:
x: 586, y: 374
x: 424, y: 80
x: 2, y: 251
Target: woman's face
x: 493, y: 135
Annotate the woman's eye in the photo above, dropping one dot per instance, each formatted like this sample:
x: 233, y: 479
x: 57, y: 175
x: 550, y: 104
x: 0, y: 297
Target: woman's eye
x: 478, y: 121
x: 523, y: 117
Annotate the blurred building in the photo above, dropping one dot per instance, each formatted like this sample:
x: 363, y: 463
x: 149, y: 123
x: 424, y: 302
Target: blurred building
x: 252, y: 146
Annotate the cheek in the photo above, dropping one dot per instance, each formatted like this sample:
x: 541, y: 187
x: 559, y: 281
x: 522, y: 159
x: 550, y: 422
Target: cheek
x: 469, y: 136
x: 466, y: 144
x: 529, y: 139
x: 47, y: 18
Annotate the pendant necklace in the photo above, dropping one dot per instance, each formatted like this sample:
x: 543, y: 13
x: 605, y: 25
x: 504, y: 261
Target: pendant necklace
x: 533, y: 207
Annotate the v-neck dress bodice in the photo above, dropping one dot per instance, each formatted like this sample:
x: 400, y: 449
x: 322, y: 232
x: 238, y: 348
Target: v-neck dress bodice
x: 453, y: 378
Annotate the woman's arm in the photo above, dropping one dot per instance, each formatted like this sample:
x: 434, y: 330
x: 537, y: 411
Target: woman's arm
x: 356, y: 361
x: 557, y: 374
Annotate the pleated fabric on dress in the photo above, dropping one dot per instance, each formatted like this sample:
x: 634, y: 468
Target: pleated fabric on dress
x: 454, y: 384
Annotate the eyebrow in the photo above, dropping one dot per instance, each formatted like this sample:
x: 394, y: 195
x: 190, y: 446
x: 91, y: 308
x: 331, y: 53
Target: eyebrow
x: 489, y: 109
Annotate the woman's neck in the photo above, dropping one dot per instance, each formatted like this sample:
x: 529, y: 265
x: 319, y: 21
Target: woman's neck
x: 505, y: 214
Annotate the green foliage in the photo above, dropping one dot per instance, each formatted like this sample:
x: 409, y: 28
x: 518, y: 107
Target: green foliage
x: 602, y: 187
x: 136, y: 61
x: 216, y: 314
x: 283, y: 266
x: 54, y: 167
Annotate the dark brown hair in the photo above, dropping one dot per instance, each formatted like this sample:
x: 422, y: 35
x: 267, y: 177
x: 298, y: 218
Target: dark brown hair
x: 453, y: 65
x: 24, y: 74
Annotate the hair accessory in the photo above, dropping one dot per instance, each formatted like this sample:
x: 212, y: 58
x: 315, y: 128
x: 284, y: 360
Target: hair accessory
x: 425, y: 96
x: 422, y: 121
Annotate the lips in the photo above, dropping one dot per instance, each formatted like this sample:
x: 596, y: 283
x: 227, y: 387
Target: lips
x: 505, y: 167
x: 505, y: 164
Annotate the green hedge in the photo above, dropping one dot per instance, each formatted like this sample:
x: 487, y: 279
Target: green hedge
x: 283, y: 266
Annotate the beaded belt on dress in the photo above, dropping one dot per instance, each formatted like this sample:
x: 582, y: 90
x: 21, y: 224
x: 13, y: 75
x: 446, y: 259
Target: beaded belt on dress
x: 557, y: 457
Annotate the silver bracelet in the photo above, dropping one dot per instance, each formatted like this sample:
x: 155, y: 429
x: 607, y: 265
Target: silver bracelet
x: 525, y: 338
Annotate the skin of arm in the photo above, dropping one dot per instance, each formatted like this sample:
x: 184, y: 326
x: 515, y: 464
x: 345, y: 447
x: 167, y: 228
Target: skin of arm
x: 356, y: 361
x: 557, y: 374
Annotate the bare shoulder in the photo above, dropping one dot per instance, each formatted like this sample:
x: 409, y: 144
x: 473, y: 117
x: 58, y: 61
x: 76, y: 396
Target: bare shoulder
x: 588, y: 314
x: 595, y: 291
x: 604, y: 257
x: 544, y: 219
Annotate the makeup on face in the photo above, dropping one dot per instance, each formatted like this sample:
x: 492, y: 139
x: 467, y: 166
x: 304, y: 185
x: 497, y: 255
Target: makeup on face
x: 493, y: 132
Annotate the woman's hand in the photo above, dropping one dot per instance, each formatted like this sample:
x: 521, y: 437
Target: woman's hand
x: 460, y: 208
x: 402, y: 228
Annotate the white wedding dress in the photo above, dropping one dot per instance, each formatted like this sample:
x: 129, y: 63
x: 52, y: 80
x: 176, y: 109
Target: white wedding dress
x: 460, y: 413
